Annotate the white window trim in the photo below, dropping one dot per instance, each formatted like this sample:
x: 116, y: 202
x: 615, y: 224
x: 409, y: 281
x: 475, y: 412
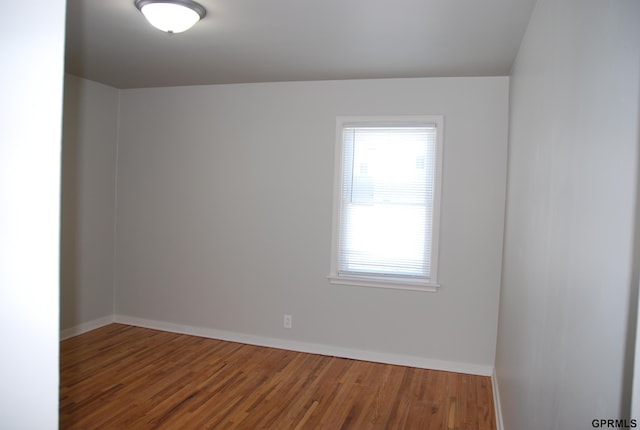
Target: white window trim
x: 382, y: 281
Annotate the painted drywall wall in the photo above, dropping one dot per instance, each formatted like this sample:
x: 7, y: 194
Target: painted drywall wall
x: 30, y: 140
x: 88, y: 195
x: 561, y: 358
x: 635, y: 384
x: 225, y: 202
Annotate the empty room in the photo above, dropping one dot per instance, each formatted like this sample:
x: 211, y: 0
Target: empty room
x: 320, y: 215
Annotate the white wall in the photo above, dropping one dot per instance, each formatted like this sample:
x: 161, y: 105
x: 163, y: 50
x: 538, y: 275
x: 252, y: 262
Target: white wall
x: 562, y: 354
x: 88, y: 196
x: 30, y: 126
x: 224, y: 214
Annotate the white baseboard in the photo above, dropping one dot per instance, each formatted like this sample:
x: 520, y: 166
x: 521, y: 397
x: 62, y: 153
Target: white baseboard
x: 313, y: 348
x: 496, y: 401
x: 85, y: 327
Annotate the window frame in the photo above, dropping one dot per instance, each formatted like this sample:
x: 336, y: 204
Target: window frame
x: 385, y: 281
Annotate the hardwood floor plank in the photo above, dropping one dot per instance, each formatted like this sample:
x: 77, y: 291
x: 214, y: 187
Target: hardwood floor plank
x: 124, y: 377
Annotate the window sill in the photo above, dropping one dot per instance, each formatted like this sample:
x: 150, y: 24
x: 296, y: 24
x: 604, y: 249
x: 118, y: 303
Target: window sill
x: 391, y: 283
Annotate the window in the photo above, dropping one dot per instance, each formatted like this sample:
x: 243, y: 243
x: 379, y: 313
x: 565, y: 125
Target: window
x: 387, y: 201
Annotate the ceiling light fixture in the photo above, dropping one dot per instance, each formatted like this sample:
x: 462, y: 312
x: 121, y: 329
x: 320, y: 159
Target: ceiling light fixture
x: 171, y: 16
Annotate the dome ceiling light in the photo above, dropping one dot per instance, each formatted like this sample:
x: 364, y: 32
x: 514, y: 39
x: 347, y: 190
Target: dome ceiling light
x: 171, y: 16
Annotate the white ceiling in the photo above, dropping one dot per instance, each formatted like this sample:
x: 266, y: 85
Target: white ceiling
x: 109, y: 41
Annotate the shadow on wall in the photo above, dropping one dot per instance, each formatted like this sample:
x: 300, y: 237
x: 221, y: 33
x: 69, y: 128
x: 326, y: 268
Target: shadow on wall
x: 70, y: 210
x: 628, y: 409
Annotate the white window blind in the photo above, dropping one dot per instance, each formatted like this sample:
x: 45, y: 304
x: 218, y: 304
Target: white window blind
x: 388, y: 202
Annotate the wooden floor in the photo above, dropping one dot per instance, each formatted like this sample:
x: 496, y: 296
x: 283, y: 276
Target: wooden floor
x: 123, y: 377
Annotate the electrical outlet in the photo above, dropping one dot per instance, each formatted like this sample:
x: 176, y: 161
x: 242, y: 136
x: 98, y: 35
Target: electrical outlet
x: 288, y: 321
